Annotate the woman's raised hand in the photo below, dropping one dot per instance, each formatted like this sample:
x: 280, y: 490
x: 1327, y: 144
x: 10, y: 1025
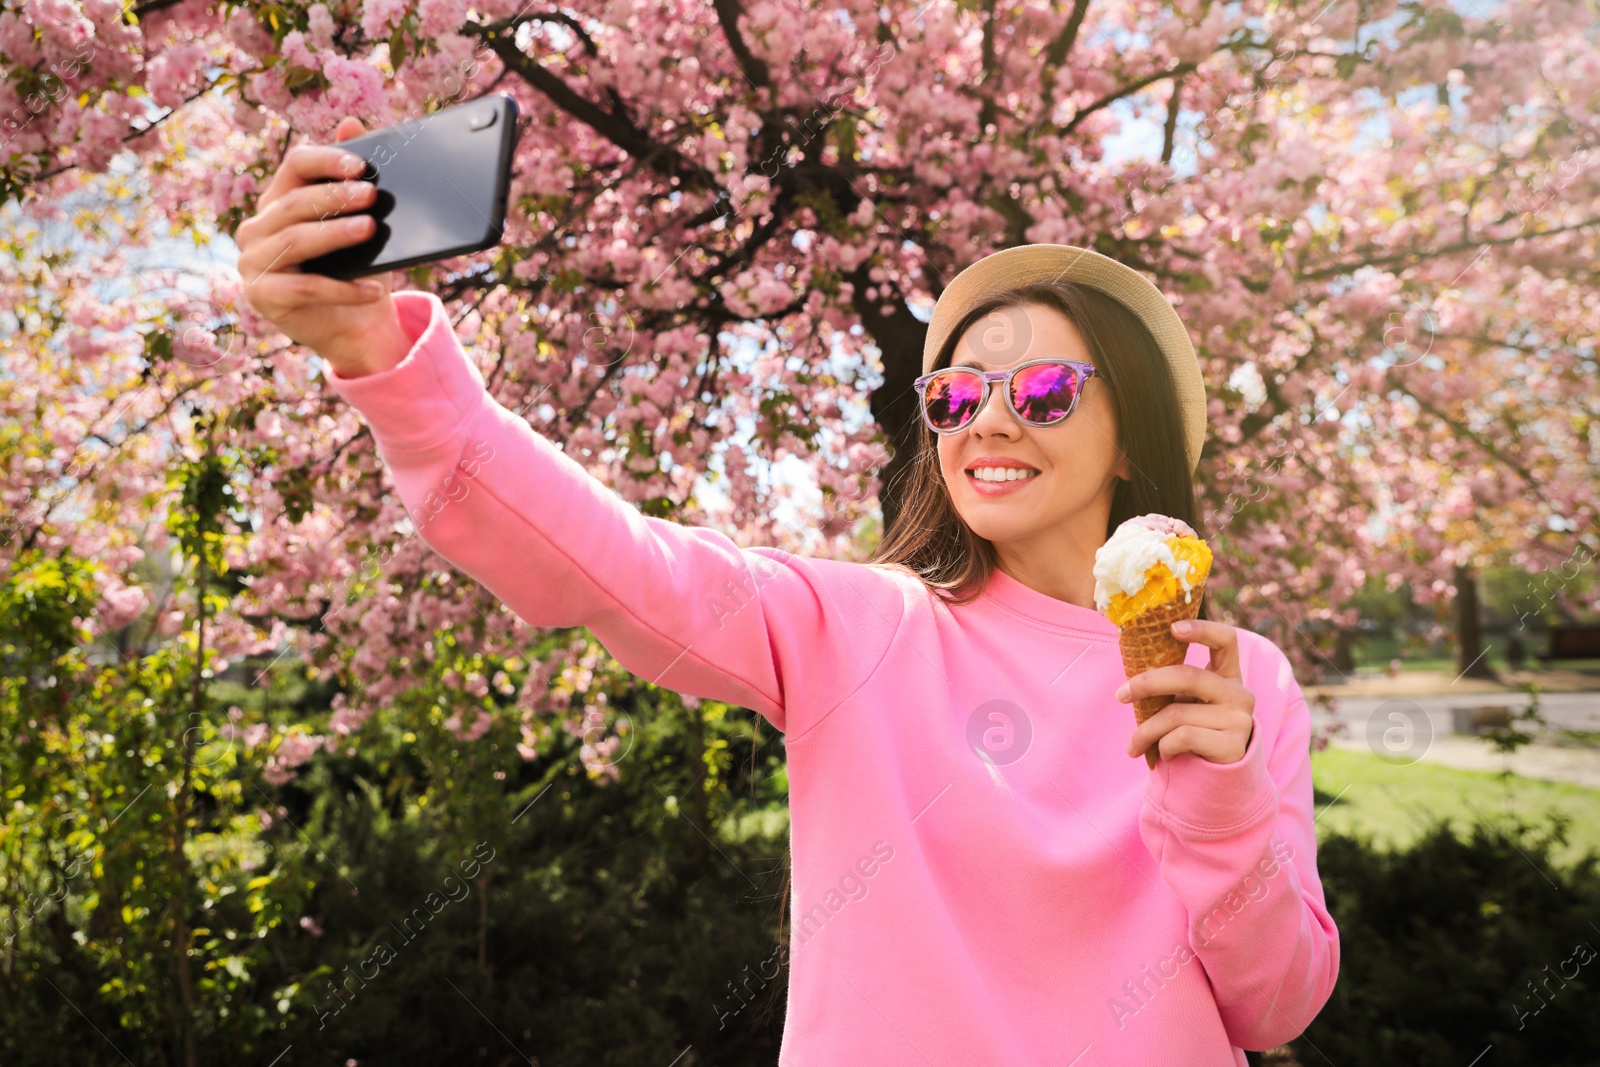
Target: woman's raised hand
x: 353, y: 325
x: 1214, y: 713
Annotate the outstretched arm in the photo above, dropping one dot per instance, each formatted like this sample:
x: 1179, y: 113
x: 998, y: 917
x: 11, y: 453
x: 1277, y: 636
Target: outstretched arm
x: 680, y: 606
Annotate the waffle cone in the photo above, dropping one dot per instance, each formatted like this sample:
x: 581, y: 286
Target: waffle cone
x: 1147, y: 643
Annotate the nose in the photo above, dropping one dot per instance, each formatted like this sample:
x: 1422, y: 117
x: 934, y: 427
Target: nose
x: 994, y: 417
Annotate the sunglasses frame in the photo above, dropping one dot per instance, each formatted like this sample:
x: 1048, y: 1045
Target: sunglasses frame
x: 1085, y: 371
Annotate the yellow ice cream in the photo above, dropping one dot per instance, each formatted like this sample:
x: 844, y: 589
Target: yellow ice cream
x: 1149, y: 560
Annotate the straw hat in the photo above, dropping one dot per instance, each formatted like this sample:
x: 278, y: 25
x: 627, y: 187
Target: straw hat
x: 1014, y: 267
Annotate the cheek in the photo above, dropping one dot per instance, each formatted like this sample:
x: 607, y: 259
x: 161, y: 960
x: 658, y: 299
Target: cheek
x: 948, y: 461
x: 1083, y: 453
x: 1094, y: 443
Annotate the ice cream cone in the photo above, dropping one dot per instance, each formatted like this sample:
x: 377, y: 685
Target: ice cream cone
x: 1147, y: 643
x: 1150, y: 573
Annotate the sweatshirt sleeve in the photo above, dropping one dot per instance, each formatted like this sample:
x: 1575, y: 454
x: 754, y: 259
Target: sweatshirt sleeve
x: 679, y: 606
x: 1236, y: 844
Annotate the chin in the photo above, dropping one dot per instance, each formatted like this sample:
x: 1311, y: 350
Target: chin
x: 1001, y: 520
x: 998, y: 528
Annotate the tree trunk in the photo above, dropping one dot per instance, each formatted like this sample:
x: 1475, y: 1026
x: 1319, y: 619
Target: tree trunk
x: 894, y: 404
x: 1344, y: 659
x: 483, y: 924
x: 1471, y: 662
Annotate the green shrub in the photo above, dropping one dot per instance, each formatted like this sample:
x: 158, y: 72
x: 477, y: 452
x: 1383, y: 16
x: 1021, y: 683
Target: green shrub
x: 1439, y: 944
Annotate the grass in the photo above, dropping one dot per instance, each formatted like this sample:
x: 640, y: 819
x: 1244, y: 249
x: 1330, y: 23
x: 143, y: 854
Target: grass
x: 1393, y: 803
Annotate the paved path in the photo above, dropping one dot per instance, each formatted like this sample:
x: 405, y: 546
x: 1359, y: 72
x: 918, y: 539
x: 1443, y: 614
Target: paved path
x: 1375, y: 683
x: 1423, y: 726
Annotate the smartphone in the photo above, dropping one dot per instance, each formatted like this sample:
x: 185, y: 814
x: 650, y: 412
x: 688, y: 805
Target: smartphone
x: 442, y: 182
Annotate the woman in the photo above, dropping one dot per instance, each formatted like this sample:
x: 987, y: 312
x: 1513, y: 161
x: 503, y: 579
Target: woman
x: 983, y: 872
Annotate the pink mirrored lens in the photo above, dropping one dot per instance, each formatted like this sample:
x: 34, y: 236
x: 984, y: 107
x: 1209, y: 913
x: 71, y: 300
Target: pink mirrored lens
x: 952, y: 398
x: 1044, y: 393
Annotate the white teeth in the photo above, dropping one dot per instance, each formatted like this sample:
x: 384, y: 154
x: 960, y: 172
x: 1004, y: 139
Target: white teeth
x: 1002, y: 474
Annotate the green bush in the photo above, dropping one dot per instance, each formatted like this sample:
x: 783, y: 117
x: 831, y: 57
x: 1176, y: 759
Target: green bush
x: 416, y: 899
x: 185, y: 880
x: 602, y: 921
x: 1439, y: 944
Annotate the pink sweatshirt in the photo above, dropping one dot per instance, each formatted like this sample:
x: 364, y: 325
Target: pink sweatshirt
x: 1052, y: 902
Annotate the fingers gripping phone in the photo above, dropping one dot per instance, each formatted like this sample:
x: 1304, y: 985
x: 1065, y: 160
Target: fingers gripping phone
x: 442, y: 182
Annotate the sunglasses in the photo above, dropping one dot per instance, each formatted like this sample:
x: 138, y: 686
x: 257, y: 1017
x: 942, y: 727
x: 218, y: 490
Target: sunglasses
x: 1040, y: 392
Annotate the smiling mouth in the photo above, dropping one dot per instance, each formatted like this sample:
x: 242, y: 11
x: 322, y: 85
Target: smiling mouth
x: 1001, y: 475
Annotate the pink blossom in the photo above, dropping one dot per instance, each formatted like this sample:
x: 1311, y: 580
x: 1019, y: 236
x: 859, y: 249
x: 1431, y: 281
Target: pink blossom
x: 479, y: 727
x: 345, y: 720
x: 378, y: 16
x: 293, y: 750
x: 296, y: 52
x: 320, y: 26
x: 16, y: 38
x: 268, y: 88
x: 248, y: 34
x: 63, y: 26
x: 102, y: 131
x: 435, y: 17
x: 248, y: 117
x: 121, y: 604
x: 174, y: 74
x: 355, y: 87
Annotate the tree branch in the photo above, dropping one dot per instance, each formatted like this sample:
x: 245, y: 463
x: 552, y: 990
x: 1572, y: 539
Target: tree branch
x: 1170, y: 129
x: 1127, y: 90
x: 751, y: 66
x: 986, y: 112
x: 1460, y: 429
x: 618, y: 129
x: 1057, y: 53
x: 153, y: 5
x: 1407, y: 259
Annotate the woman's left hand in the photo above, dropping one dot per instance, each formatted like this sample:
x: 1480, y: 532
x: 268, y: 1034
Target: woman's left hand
x: 1217, y: 720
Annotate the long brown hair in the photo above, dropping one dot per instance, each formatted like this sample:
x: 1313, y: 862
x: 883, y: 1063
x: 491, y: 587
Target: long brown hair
x: 929, y: 537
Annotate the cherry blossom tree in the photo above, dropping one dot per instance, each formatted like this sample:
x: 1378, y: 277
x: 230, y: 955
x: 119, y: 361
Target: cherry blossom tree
x: 728, y: 224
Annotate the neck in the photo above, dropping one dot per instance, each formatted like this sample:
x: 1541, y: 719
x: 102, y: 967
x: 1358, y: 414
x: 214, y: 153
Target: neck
x: 1057, y: 559
x: 1065, y: 572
